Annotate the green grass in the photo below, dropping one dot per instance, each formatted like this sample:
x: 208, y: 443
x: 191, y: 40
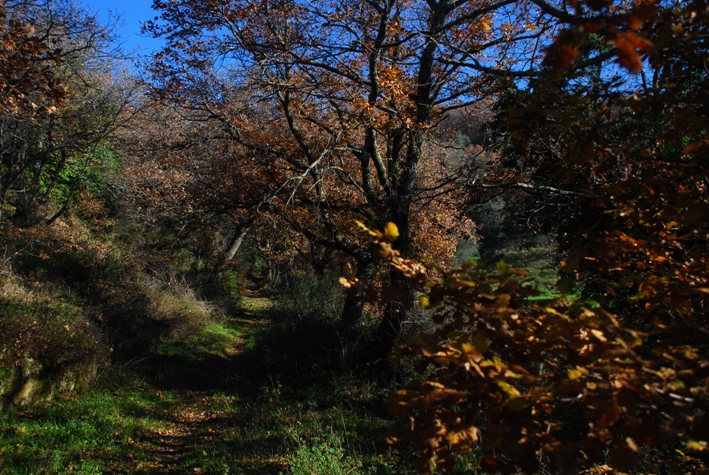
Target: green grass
x: 215, y: 339
x: 539, y: 261
x: 78, y: 436
x: 534, y: 254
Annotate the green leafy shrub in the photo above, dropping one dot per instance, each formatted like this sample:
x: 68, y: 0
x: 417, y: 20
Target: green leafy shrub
x: 185, y: 260
x: 180, y: 308
x: 233, y: 284
x: 309, y: 295
x: 323, y: 457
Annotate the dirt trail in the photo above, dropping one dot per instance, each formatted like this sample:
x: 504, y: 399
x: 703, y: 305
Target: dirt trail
x: 191, y: 425
x: 184, y: 436
x: 255, y: 306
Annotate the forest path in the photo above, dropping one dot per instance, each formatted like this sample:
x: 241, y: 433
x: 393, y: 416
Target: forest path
x: 198, y: 414
x: 256, y: 304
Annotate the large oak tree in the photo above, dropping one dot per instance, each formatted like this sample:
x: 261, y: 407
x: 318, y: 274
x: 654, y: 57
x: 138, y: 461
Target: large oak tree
x: 351, y: 93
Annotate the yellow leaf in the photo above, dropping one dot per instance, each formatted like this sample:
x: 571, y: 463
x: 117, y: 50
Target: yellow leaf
x: 391, y: 232
x: 502, y: 301
x: 485, y: 25
x: 574, y: 374
x: 503, y: 268
x: 467, y: 435
x: 512, y: 374
x: 508, y: 388
x: 697, y: 445
x: 599, y: 334
x: 632, y: 445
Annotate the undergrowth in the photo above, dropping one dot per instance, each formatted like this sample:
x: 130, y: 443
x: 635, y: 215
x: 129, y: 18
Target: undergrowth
x: 44, y: 325
x: 203, y: 379
x: 533, y: 253
x: 131, y: 425
x: 305, y: 337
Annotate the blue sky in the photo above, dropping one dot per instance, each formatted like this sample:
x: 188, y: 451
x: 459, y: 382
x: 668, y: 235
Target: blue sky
x: 133, y: 13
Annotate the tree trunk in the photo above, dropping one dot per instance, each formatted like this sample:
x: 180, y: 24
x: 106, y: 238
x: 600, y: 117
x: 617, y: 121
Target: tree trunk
x: 238, y: 240
x: 353, y: 308
x: 395, y: 312
x: 320, y: 258
x: 56, y: 215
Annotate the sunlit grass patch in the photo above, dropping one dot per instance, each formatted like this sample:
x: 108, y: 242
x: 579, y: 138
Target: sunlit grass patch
x: 256, y: 304
x: 539, y: 262
x: 79, y: 435
x: 216, y: 339
x: 536, y: 255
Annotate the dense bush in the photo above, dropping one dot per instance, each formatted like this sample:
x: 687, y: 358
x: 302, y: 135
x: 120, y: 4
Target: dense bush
x: 559, y: 384
x: 323, y: 457
x: 38, y: 325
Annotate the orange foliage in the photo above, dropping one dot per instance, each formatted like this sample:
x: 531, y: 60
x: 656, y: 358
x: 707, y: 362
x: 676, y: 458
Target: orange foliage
x: 555, y: 383
x: 28, y: 69
x: 563, y: 384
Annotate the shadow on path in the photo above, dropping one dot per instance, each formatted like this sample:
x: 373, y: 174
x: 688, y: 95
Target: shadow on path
x: 206, y: 382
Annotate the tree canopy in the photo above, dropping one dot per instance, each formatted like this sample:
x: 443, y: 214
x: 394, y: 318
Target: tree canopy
x: 340, y: 106
x: 58, y: 106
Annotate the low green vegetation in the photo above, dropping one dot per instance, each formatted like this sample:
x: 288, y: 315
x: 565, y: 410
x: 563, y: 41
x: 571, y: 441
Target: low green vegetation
x: 268, y: 385
x: 536, y: 254
x: 214, y: 339
x: 46, y: 327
